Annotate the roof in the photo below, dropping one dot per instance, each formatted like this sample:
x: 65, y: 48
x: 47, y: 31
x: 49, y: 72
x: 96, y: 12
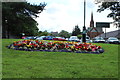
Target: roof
x: 92, y: 29
x: 99, y: 29
x: 115, y: 33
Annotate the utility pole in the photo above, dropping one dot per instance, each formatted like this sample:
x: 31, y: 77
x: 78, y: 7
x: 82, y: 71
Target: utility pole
x: 84, y: 28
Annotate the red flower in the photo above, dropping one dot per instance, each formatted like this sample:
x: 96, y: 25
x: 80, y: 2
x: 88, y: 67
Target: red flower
x: 35, y: 45
x: 98, y: 47
x: 49, y: 46
x: 40, y: 43
x: 30, y: 44
x: 92, y: 46
x: 36, y: 41
x: 19, y: 44
x: 67, y: 46
x: 79, y: 46
x: 86, y: 48
x: 76, y: 44
x: 15, y: 44
x: 93, y: 49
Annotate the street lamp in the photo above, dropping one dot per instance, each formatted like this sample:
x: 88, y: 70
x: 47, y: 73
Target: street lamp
x: 7, y: 29
x: 84, y: 28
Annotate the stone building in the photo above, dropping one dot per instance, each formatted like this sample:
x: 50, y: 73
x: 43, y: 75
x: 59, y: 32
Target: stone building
x: 93, y: 31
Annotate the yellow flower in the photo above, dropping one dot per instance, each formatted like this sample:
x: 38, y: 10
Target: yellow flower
x: 76, y: 49
x: 29, y: 46
x: 14, y: 41
x: 72, y: 47
x: 24, y: 43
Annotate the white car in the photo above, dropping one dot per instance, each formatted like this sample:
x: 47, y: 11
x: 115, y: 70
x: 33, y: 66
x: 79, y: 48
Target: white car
x: 40, y: 38
x: 113, y: 40
x: 88, y: 39
x: 74, y: 38
x: 99, y: 40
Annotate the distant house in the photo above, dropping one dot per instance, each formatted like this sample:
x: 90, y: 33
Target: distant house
x: 54, y: 33
x: 93, y: 31
x: 115, y: 33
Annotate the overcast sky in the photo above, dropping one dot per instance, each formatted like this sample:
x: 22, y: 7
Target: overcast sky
x: 65, y: 14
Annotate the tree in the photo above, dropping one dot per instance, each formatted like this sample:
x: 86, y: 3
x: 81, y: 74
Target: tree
x: 79, y: 36
x: 76, y: 31
x: 64, y: 34
x: 45, y: 33
x: 19, y: 17
x: 115, y: 11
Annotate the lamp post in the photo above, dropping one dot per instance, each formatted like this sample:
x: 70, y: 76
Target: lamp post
x: 84, y: 28
x: 7, y: 29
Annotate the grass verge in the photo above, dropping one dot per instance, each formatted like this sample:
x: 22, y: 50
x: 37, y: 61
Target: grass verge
x: 29, y: 64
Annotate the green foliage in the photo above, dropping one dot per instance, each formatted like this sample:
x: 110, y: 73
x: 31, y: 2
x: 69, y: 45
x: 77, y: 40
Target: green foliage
x: 64, y: 34
x: 76, y: 31
x: 115, y: 11
x: 19, y: 17
x: 79, y: 36
x: 45, y: 33
x: 36, y: 64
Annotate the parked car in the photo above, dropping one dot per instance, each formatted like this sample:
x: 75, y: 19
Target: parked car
x: 30, y: 37
x: 23, y: 37
x: 88, y: 39
x: 67, y: 39
x: 40, y: 38
x: 48, y: 38
x: 113, y: 40
x: 74, y: 38
x: 59, y: 39
x: 99, y: 40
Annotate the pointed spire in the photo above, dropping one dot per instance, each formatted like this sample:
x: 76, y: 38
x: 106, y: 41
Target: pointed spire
x: 92, y: 21
x: 91, y: 16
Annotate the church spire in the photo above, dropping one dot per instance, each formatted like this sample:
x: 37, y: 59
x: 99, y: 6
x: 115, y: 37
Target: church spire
x: 92, y: 21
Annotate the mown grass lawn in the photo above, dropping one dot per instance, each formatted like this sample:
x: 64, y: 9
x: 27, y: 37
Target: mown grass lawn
x: 29, y: 64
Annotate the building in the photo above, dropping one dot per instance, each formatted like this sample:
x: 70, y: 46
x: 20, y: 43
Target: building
x: 54, y: 33
x: 93, y: 31
x: 115, y: 33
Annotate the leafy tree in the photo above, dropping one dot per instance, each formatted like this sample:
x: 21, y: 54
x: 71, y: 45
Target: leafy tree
x: 18, y: 17
x: 45, y: 33
x: 64, y: 34
x: 79, y: 36
x: 115, y: 11
x: 76, y: 31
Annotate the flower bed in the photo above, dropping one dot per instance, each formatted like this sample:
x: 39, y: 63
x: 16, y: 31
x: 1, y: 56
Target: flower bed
x: 55, y: 46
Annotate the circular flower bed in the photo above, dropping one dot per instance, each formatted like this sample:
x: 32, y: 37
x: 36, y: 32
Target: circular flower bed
x: 55, y: 46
